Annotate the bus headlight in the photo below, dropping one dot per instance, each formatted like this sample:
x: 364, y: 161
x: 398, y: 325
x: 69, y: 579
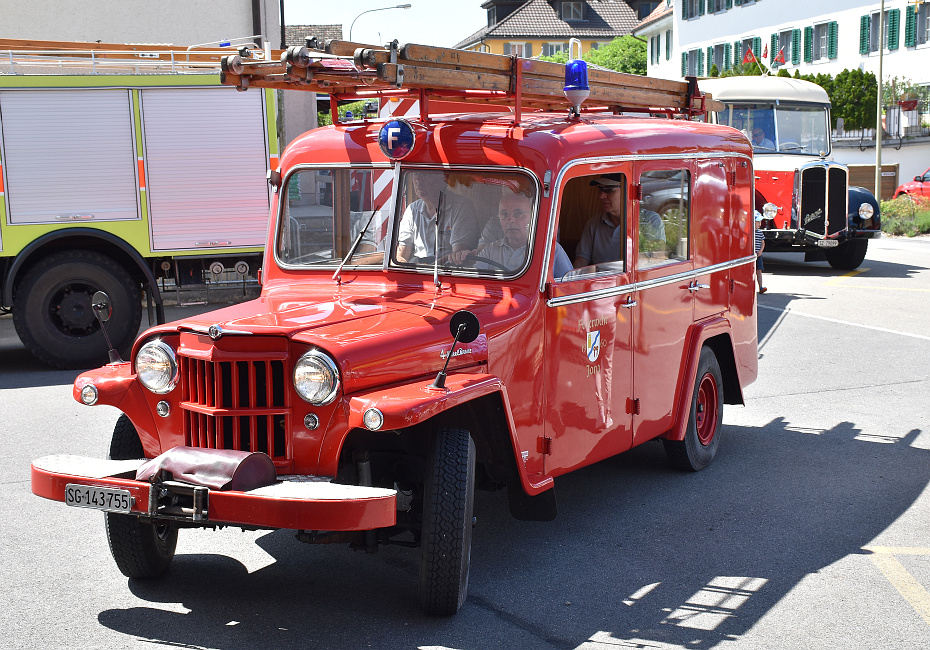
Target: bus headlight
x: 157, y: 367
x: 769, y: 210
x: 316, y: 378
x: 866, y: 211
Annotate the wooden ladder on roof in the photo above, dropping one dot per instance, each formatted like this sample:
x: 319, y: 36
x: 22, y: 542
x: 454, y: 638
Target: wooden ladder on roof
x: 352, y: 71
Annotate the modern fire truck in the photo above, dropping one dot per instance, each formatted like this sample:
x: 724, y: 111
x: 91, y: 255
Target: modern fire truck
x: 114, y: 176
x: 803, y: 194
x: 421, y: 332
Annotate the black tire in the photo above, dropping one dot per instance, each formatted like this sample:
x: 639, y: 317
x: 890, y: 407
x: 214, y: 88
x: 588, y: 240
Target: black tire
x: 702, y: 437
x: 140, y: 550
x: 445, y: 540
x: 848, y: 255
x: 53, y: 316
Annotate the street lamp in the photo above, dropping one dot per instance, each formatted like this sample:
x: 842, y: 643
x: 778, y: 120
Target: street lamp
x: 405, y: 6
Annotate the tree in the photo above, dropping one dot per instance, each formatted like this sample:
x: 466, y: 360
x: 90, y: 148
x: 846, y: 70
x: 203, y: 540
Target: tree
x: 623, y: 54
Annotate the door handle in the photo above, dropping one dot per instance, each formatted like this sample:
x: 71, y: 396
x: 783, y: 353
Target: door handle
x: 697, y: 286
x: 629, y: 303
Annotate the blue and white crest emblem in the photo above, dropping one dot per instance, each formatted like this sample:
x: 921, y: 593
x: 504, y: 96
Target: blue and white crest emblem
x: 594, y: 345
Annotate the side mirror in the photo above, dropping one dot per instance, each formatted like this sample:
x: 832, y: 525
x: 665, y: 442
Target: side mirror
x: 919, y: 179
x: 103, y: 310
x: 464, y: 327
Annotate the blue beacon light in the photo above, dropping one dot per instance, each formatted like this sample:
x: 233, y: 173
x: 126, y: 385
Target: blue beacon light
x: 576, y: 81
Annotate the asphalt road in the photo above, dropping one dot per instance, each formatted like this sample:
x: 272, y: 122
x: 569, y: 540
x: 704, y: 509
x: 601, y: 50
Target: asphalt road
x: 810, y: 530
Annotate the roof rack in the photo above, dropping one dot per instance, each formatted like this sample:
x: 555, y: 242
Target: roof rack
x: 347, y: 70
x: 21, y: 56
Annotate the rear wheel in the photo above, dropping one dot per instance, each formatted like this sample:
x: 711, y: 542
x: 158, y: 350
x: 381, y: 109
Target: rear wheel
x: 848, y: 255
x: 702, y: 437
x: 52, y: 308
x: 140, y: 550
x: 445, y: 541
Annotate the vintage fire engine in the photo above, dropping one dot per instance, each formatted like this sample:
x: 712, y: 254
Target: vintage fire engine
x: 420, y: 331
x: 803, y: 194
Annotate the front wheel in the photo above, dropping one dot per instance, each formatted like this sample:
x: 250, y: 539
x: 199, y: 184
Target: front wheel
x: 702, y: 437
x: 848, y: 255
x: 140, y: 550
x: 52, y: 308
x: 445, y: 540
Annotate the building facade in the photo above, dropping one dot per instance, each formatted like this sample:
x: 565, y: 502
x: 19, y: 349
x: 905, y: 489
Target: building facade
x: 530, y: 28
x: 688, y: 37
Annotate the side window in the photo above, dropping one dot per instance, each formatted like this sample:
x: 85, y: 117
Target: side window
x: 592, y: 225
x: 663, y: 217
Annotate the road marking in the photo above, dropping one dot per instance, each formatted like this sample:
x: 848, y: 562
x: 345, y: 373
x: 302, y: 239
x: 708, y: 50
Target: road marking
x: 900, y: 578
x: 838, y: 281
x: 845, y: 322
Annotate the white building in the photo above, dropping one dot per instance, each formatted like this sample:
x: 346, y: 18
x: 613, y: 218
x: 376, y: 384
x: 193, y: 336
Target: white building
x: 687, y: 37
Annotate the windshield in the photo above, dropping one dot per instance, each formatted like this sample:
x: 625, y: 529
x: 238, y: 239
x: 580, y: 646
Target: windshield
x: 789, y: 129
x: 485, y: 220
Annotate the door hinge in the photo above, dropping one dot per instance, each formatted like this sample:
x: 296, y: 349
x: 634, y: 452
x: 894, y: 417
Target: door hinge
x: 637, y: 192
x: 632, y: 405
x: 544, y: 445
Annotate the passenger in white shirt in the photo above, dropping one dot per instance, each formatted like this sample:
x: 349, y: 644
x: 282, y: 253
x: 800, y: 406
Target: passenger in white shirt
x: 458, y: 226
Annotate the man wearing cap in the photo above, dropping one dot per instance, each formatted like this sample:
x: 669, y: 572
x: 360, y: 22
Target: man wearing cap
x: 603, y: 237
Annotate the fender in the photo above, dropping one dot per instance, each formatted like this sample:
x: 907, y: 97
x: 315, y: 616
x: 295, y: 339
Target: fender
x: 117, y: 386
x: 109, y: 238
x: 413, y: 403
x: 698, y: 333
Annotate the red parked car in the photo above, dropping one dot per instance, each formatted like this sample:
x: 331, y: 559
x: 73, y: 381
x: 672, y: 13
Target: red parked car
x: 920, y: 186
x: 419, y: 337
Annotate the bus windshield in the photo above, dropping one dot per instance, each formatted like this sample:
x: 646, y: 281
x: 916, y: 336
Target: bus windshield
x: 782, y: 129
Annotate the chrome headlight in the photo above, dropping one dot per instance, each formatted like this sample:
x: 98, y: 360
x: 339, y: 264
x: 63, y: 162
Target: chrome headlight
x: 866, y: 211
x: 769, y: 210
x: 157, y: 367
x: 316, y: 378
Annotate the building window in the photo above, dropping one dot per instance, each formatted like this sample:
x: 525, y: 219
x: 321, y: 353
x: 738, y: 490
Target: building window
x: 718, y: 5
x: 523, y: 50
x: 720, y: 57
x: 572, y: 10
x: 923, y: 24
x: 872, y: 31
x: 492, y: 16
x: 821, y: 36
x: 692, y: 63
x: 551, y: 49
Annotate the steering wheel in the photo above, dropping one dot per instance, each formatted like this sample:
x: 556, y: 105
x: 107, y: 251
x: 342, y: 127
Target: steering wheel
x: 489, y: 262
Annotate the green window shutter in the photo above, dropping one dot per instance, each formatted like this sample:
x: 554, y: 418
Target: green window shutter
x: 727, y: 54
x: 668, y: 45
x: 774, y: 50
x: 795, y: 46
x: 729, y: 4
x: 700, y: 70
x: 684, y: 64
x: 739, y: 2
x: 700, y: 7
x: 910, y: 27
x: 808, y: 44
x: 757, y: 47
x: 684, y: 9
x: 832, y: 40
x: 737, y: 55
x: 710, y: 58
x: 864, y: 35
x: 894, y: 29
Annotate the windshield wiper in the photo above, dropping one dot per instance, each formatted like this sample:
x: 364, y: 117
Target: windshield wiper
x: 436, y: 243
x: 355, y: 244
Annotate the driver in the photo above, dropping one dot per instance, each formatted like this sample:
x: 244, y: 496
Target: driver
x: 515, y: 213
x: 759, y: 141
x: 458, y: 227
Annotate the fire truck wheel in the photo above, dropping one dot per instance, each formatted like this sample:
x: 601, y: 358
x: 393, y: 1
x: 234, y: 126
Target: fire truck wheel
x: 445, y: 540
x: 140, y: 550
x: 848, y: 255
x: 53, y: 316
x: 702, y: 437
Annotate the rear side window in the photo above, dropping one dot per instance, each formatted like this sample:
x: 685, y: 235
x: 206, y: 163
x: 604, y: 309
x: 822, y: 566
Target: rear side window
x: 663, y: 217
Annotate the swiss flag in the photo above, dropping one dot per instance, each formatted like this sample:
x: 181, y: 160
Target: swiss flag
x: 765, y: 52
x: 780, y: 57
x: 750, y: 56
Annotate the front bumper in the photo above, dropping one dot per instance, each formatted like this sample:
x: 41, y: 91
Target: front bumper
x: 783, y: 239
x: 299, y: 503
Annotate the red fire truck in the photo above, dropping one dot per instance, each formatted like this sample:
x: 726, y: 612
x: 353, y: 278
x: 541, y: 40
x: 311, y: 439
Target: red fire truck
x: 421, y: 332
x: 803, y: 194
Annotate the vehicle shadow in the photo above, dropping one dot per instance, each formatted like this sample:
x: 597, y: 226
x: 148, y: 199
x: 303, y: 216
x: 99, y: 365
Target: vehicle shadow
x: 639, y: 555
x: 793, y: 264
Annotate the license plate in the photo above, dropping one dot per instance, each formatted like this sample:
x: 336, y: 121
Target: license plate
x: 827, y: 243
x: 99, y: 498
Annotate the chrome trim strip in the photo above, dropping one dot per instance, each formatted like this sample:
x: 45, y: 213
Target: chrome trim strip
x: 648, y: 284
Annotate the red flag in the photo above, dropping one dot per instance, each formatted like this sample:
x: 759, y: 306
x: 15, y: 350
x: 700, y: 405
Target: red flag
x: 749, y: 57
x: 780, y: 57
x: 765, y: 52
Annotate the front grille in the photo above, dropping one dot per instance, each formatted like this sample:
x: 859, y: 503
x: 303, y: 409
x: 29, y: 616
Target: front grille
x: 234, y: 403
x: 823, y: 199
